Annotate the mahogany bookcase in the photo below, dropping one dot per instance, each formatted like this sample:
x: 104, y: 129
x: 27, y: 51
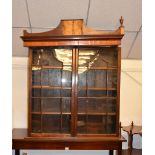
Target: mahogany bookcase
x: 73, y: 89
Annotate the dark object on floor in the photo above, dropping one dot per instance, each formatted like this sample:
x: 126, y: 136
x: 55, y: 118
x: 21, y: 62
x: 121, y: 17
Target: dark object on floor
x: 132, y: 130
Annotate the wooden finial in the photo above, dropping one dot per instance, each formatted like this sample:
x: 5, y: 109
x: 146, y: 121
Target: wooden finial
x: 121, y: 21
x: 132, y: 123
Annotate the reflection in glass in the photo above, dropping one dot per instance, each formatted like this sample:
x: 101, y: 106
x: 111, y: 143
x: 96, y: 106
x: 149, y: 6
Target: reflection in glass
x: 51, y: 90
x: 97, y: 91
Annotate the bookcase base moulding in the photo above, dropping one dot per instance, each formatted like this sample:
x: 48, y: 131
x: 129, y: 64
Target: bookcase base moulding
x: 21, y: 141
x: 73, y: 89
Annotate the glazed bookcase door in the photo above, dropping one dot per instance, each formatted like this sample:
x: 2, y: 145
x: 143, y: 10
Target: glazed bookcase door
x: 97, y: 90
x: 74, y: 91
x: 50, y: 98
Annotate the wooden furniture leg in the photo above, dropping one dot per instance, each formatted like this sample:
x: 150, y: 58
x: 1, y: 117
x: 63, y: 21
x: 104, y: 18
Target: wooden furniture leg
x: 131, y: 130
x: 119, y: 151
x: 17, y: 152
x: 130, y: 139
x: 110, y: 152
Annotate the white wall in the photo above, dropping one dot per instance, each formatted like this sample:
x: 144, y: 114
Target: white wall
x: 131, y: 93
x: 131, y: 107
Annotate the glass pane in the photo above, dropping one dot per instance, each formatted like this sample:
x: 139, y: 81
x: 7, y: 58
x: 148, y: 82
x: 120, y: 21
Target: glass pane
x: 51, y: 123
x: 51, y: 77
x: 66, y: 78
x: 81, y: 124
x: 97, y: 90
x: 66, y: 123
x: 111, y: 127
x: 51, y: 105
x: 50, y: 92
x: 45, y: 57
x: 51, y: 88
x: 97, y: 93
x: 66, y: 105
x: 36, y: 92
x: 96, y: 124
x: 36, y: 106
x: 94, y: 105
x: 112, y: 78
x: 36, y: 123
x: 36, y: 77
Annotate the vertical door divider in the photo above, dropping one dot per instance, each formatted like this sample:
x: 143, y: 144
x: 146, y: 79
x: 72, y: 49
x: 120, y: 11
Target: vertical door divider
x: 74, y: 92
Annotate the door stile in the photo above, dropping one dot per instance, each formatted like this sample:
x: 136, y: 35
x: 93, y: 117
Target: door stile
x: 30, y: 92
x: 118, y: 91
x: 74, y: 92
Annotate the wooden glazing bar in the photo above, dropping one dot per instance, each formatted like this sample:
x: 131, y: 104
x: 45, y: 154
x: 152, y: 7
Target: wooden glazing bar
x: 51, y: 87
x: 76, y: 88
x: 93, y: 88
x: 86, y: 103
x: 102, y: 68
x: 49, y: 67
x: 51, y: 113
x: 96, y: 113
x: 50, y: 97
x: 73, y: 132
x: 104, y: 97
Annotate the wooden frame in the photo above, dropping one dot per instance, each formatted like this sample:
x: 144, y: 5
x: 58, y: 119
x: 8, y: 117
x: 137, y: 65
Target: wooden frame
x: 72, y: 34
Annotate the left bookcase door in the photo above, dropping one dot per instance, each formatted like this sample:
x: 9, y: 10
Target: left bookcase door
x: 51, y: 86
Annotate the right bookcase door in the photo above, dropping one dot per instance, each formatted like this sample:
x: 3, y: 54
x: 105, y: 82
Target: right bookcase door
x: 97, y: 90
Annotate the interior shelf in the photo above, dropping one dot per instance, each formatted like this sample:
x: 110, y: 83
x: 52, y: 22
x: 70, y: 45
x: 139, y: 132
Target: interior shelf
x: 93, y: 88
x: 46, y: 67
x: 97, y: 113
x: 93, y: 97
x: 51, y: 113
x: 80, y: 88
x: 59, y: 97
x: 61, y: 67
x: 51, y: 87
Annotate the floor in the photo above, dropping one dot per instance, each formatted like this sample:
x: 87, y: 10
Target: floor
x: 134, y: 152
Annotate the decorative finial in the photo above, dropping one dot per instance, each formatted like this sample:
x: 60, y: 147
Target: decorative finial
x: 121, y: 21
x: 132, y: 123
